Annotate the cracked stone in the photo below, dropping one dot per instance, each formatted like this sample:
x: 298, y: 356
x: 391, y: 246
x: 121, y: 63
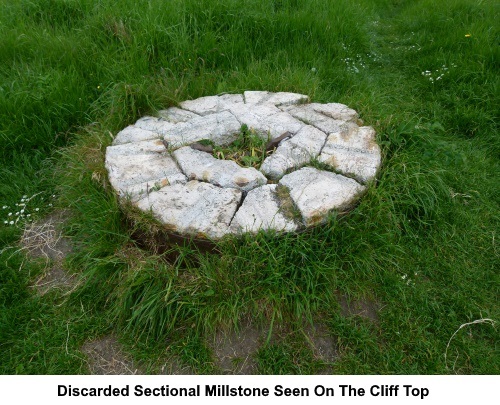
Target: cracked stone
x: 354, y: 154
x: 309, y: 115
x: 261, y: 210
x: 277, y: 99
x: 134, y: 134
x: 294, y: 152
x: 195, y: 208
x: 317, y: 192
x: 203, y: 166
x: 135, y: 175
x: 267, y: 120
x: 147, y: 160
x: 212, y: 104
x: 176, y: 115
x: 155, y: 124
x: 221, y: 128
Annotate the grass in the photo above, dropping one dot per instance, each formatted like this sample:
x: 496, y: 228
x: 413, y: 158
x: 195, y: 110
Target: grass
x: 248, y: 150
x: 422, y: 243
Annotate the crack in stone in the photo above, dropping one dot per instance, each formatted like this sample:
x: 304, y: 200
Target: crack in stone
x: 272, y: 112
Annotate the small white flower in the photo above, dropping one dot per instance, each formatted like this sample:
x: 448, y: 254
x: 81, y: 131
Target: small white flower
x: 313, y: 70
x: 5, y: 222
x: 25, y: 196
x: 37, y: 209
x: 10, y: 214
x: 22, y: 211
x: 11, y: 222
x: 4, y: 207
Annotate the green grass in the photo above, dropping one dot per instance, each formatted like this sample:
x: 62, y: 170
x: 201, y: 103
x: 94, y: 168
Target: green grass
x: 422, y: 243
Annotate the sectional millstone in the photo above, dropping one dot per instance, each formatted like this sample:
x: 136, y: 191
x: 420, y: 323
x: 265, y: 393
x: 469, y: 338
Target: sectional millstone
x: 322, y: 161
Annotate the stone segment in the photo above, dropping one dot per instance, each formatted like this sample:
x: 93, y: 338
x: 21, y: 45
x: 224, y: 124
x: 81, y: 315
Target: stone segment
x: 266, y: 120
x: 203, y: 166
x: 176, y: 115
x: 353, y: 153
x: 141, y: 168
x: 336, y: 111
x: 126, y: 171
x: 317, y: 192
x: 277, y: 99
x: 134, y: 134
x: 212, y: 104
x: 221, y: 128
x: 137, y: 191
x: 152, y: 147
x: 155, y: 124
x: 196, y: 208
x: 294, y: 152
x: 261, y: 211
x: 307, y: 114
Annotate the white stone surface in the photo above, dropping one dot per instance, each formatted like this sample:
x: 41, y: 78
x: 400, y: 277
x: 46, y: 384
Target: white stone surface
x: 176, y: 115
x: 354, y: 153
x: 336, y: 111
x: 267, y: 121
x: 308, y: 115
x: 126, y: 171
x: 203, y: 166
x: 212, y: 104
x: 261, y: 210
x: 277, y: 99
x: 294, y: 152
x: 152, y: 147
x: 195, y: 208
x: 155, y: 124
x: 150, y: 164
x: 221, y: 128
x: 134, y: 134
x: 317, y: 192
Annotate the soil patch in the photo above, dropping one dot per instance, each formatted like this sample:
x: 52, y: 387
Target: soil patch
x: 363, y: 307
x: 43, y: 240
x: 234, y: 351
x: 105, y: 357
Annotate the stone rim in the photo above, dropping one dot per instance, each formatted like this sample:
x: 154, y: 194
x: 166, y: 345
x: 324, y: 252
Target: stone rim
x: 149, y: 164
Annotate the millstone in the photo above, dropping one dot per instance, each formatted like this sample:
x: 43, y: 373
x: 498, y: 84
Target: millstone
x: 322, y: 162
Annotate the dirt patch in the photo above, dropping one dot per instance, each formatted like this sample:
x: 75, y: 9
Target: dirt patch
x: 234, y: 351
x: 322, y: 343
x: 174, y: 367
x: 363, y: 307
x: 105, y: 357
x: 43, y: 240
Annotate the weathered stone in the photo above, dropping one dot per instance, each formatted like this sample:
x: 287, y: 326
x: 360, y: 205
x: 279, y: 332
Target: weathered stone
x: 143, y: 170
x: 147, y: 161
x: 155, y: 124
x: 336, y: 111
x: 277, y: 99
x: 141, y: 190
x: 176, y: 115
x: 196, y: 208
x: 134, y: 134
x: 261, y: 211
x: 294, y: 152
x: 266, y: 120
x: 223, y: 173
x: 221, y: 128
x: 308, y: 115
x: 212, y: 104
x: 353, y: 153
x: 152, y: 147
x: 317, y: 192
